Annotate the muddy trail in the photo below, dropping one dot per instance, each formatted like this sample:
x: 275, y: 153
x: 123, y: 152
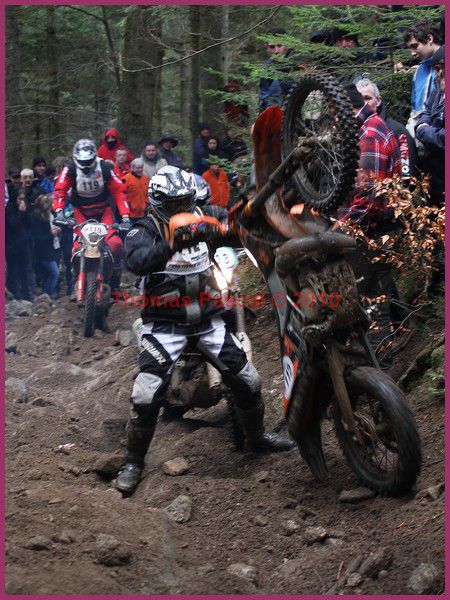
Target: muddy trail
x: 238, y: 523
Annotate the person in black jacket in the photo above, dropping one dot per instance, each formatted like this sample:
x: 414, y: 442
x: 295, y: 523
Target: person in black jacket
x: 17, y: 246
x: 46, y: 244
x: 182, y: 305
x: 430, y: 130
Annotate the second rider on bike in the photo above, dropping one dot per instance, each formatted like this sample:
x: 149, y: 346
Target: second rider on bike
x: 92, y: 182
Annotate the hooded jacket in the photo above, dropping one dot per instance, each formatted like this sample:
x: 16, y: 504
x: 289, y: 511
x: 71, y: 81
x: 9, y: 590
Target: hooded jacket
x: 110, y: 153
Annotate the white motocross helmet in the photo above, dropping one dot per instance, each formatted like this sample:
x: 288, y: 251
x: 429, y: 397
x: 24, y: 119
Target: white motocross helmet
x: 203, y: 191
x: 84, y: 155
x: 172, y: 190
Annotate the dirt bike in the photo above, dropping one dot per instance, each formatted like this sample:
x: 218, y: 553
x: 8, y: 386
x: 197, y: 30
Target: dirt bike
x: 92, y: 265
x: 305, y: 166
x: 195, y: 383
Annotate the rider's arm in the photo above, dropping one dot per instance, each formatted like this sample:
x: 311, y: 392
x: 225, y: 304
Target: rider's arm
x: 118, y: 192
x: 144, y: 252
x: 62, y: 186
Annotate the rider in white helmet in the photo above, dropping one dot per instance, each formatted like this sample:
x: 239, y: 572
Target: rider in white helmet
x: 92, y: 182
x: 183, y: 274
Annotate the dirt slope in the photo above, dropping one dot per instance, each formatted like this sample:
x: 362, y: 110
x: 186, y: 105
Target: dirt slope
x: 243, y: 505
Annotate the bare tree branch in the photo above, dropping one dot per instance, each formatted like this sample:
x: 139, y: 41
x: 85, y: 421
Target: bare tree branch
x: 178, y: 60
x: 105, y: 23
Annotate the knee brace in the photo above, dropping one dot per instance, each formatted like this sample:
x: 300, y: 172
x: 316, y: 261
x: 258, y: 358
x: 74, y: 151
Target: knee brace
x: 145, y: 391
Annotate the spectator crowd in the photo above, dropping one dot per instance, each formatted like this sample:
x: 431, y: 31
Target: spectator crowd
x: 35, y: 247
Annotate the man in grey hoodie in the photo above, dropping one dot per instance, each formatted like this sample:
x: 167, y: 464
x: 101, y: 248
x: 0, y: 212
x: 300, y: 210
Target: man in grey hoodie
x: 153, y: 162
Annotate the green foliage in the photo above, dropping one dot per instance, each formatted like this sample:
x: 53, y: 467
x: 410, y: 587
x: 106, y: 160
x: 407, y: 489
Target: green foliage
x: 87, y: 81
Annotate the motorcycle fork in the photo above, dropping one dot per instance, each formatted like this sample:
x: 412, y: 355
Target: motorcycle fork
x: 336, y: 369
x: 99, y: 279
x: 81, y: 281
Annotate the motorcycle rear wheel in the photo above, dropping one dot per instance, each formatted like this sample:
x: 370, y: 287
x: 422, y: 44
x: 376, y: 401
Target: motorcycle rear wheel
x: 90, y: 303
x: 318, y: 108
x: 389, y: 459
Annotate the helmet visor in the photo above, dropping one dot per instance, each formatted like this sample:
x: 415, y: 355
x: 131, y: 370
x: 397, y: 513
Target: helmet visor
x: 176, y: 205
x: 86, y: 163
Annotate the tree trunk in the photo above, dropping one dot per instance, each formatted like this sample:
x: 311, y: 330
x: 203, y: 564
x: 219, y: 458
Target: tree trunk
x: 14, y: 131
x: 137, y: 93
x: 194, y: 22
x: 212, y: 30
x: 225, y: 49
x: 53, y: 90
x: 185, y: 84
x: 37, y: 124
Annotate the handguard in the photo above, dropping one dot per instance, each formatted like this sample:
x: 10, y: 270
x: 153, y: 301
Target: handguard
x: 186, y: 219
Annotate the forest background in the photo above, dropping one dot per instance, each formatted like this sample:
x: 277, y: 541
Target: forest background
x: 75, y: 71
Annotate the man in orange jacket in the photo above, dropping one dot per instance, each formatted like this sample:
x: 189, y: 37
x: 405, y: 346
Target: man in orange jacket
x: 219, y: 185
x: 136, y: 184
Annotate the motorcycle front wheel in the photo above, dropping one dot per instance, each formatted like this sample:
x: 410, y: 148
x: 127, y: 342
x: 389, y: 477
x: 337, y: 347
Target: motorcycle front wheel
x: 388, y: 456
x: 90, y: 303
x: 318, y: 115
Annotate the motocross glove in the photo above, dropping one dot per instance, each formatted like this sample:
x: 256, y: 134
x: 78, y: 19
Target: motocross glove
x: 190, y: 235
x: 125, y: 224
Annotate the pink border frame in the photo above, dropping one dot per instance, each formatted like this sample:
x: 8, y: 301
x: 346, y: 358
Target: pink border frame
x: 2, y: 275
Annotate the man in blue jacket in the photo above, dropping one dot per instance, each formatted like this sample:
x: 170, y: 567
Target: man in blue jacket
x: 274, y: 91
x: 422, y: 39
x: 430, y: 131
x: 42, y: 183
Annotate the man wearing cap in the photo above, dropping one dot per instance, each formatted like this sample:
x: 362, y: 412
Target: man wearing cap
x: 166, y: 145
x: 42, y: 183
x: 199, y: 149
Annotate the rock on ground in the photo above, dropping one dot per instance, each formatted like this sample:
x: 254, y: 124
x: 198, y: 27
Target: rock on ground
x: 124, y: 337
x: 424, y: 579
x: 378, y: 560
x: 11, y: 342
x: 108, y: 464
x: 38, y: 542
x: 243, y: 571
x: 180, y: 509
x: 289, y: 527
x: 315, y: 534
x: 176, y: 466
x: 357, y: 495
x: 110, y: 552
x: 16, y: 389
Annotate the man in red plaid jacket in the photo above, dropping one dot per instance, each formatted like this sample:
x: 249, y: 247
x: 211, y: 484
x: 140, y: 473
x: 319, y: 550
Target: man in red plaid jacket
x: 380, y: 158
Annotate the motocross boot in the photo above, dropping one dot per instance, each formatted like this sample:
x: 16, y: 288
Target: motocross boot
x: 258, y: 439
x: 116, y: 276
x: 139, y: 436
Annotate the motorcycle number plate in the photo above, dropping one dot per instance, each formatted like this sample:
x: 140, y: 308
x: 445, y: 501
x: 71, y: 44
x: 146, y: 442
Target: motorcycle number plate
x: 288, y: 376
x: 97, y: 228
x: 226, y: 258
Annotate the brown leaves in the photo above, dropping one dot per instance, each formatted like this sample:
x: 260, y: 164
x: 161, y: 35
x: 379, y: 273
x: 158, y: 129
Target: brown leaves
x: 420, y: 227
